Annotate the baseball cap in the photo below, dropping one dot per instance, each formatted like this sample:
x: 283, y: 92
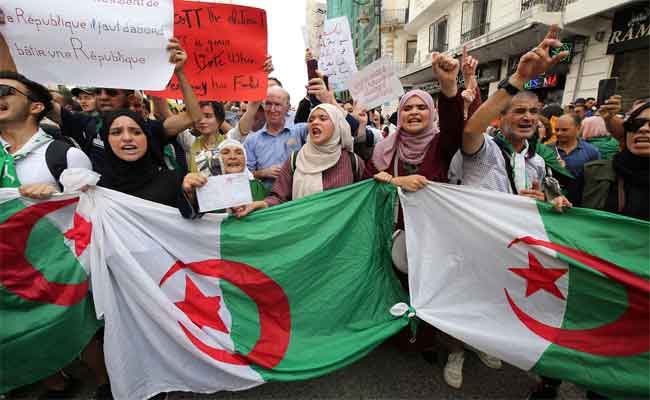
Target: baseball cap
x: 78, y: 90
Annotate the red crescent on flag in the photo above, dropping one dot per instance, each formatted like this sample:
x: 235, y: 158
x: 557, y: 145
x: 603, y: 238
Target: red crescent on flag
x: 627, y: 336
x: 272, y: 304
x: 18, y: 275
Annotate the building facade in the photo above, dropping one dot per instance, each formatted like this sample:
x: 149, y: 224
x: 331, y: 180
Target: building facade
x: 498, y: 32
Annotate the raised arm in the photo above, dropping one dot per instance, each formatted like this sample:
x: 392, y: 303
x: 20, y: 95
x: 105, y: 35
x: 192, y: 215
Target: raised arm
x: 531, y: 64
x: 247, y: 120
x: 6, y: 60
x: 614, y: 124
x: 450, y: 104
x: 178, y: 123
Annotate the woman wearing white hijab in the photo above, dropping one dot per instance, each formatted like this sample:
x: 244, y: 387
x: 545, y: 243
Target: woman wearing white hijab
x: 232, y: 160
x: 325, y: 162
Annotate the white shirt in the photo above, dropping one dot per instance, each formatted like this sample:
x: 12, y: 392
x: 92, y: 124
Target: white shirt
x: 33, y: 167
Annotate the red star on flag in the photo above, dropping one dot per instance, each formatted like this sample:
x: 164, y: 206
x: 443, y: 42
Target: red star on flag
x: 79, y: 233
x: 201, y: 309
x: 537, y: 277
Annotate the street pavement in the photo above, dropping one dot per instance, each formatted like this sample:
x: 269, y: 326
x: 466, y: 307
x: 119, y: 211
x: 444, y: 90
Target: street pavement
x: 386, y: 373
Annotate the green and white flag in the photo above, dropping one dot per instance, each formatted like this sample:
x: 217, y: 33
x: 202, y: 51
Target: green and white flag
x: 292, y: 292
x: 563, y: 295
x: 46, y: 312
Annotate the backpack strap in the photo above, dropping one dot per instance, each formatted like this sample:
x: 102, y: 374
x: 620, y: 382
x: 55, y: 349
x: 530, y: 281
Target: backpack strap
x: 356, y: 173
x: 56, y: 158
x: 294, y: 159
x: 355, y: 166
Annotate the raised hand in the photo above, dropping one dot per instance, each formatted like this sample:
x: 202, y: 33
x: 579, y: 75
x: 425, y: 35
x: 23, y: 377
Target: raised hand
x: 539, y: 60
x: 468, y: 66
x: 177, y: 54
x: 445, y: 70
x: 268, y: 65
x: 611, y: 107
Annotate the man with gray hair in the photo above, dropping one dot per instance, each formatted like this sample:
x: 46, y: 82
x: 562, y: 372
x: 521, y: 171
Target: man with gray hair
x: 269, y: 147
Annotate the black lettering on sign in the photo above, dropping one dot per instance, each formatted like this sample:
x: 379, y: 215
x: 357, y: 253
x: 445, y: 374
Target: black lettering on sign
x: 204, y: 61
x: 245, y: 82
x: 190, y: 17
x: 240, y: 18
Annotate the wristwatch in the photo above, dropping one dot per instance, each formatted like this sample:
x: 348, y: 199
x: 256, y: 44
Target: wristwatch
x: 508, y: 87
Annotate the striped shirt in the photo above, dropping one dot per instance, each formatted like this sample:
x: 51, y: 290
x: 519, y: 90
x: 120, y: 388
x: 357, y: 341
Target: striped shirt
x: 487, y: 168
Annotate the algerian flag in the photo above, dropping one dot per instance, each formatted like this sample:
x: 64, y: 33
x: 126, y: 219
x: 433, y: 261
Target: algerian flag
x: 46, y: 312
x: 564, y: 295
x: 292, y: 292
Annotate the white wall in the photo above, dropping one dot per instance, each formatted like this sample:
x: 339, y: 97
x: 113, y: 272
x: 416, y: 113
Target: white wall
x: 597, y: 65
x: 503, y: 13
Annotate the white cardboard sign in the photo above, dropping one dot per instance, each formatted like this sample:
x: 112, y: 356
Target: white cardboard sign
x: 376, y: 84
x: 315, y: 22
x: 224, y: 191
x: 103, y: 43
x: 336, y: 58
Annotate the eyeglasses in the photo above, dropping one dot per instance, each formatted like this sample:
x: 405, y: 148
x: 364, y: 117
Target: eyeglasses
x: 273, y: 106
x: 109, y: 92
x: 633, y: 125
x: 522, y: 111
x: 6, y: 90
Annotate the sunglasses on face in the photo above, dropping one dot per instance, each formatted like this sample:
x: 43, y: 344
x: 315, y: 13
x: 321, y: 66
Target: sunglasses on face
x: 633, y: 125
x: 6, y: 90
x: 109, y: 92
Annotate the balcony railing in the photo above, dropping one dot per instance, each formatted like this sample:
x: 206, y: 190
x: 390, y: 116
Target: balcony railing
x: 475, y: 32
x: 394, y: 17
x: 548, y: 5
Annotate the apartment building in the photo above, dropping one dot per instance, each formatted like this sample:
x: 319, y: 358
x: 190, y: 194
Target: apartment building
x: 498, y: 32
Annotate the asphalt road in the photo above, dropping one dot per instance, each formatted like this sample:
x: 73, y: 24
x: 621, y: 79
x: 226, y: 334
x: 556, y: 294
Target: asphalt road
x: 386, y: 373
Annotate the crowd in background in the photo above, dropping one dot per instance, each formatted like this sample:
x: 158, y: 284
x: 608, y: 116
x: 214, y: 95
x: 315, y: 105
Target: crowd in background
x: 581, y: 154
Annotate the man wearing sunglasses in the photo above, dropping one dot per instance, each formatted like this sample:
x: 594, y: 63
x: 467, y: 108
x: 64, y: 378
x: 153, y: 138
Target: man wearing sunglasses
x: 23, y: 104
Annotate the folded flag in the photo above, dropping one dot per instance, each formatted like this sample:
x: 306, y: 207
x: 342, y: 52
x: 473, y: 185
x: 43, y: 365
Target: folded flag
x: 292, y: 292
x: 46, y: 311
x: 564, y: 295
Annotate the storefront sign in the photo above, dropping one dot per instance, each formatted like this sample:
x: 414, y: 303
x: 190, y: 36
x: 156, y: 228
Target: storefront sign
x: 630, y: 29
x: 541, y: 82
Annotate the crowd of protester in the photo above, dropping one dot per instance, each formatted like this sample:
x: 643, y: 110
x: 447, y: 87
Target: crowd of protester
x: 584, y: 154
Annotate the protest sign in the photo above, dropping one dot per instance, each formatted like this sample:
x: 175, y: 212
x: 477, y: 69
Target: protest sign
x: 224, y: 191
x: 105, y: 43
x: 316, y: 16
x: 226, y: 49
x: 336, y: 53
x: 375, y: 84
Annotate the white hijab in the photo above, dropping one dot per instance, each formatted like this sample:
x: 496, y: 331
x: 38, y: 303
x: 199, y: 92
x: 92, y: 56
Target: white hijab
x: 313, y: 159
x: 234, y: 143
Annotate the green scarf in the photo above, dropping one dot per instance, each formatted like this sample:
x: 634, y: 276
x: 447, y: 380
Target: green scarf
x: 607, y: 145
x: 9, y: 176
x: 550, y: 158
x: 546, y: 152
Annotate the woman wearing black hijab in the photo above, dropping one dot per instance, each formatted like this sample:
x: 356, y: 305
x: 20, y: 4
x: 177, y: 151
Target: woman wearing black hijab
x: 622, y: 185
x: 134, y: 160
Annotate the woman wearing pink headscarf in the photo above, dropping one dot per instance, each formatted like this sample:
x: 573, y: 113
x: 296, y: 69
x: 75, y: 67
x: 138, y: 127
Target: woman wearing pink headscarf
x: 594, y: 131
x: 423, y: 145
x: 421, y: 150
